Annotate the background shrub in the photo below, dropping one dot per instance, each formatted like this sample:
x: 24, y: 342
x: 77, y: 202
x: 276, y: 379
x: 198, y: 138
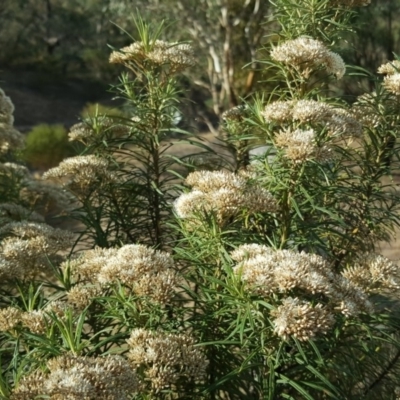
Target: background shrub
x: 46, y: 146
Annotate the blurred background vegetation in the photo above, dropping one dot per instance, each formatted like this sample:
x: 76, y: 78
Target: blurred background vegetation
x: 54, y: 58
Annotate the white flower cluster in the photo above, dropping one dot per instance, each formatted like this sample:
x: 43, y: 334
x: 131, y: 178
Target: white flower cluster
x: 166, y: 358
x: 175, y: 56
x: 307, y: 55
x: 265, y: 271
x: 77, y: 378
x: 318, y: 113
x: 392, y: 79
x: 83, y: 175
x: 223, y: 193
x: 300, y: 145
x: 147, y: 272
x: 374, y: 273
x: 28, y: 248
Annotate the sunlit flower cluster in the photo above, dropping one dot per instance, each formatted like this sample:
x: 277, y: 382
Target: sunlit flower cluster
x: 36, y: 321
x: 223, y: 193
x: 147, y: 272
x: 337, y: 121
x: 176, y: 56
x: 82, y: 174
x: 28, y: 248
x: 78, y: 378
x: 265, y: 271
x: 307, y: 55
x: 166, y: 358
x: 10, y: 317
x: 300, y: 319
x: 82, y: 295
x: 300, y: 145
x: 392, y: 79
x: 374, y: 273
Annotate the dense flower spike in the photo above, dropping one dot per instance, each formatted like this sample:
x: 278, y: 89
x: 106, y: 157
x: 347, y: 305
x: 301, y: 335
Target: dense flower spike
x: 166, y: 358
x: 77, y: 378
x: 224, y: 193
x: 147, y: 272
x: 308, y: 54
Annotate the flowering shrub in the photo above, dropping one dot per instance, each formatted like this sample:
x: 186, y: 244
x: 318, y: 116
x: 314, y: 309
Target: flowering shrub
x: 260, y: 280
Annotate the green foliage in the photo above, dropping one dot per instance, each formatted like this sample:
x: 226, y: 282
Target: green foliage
x: 267, y: 285
x: 46, y: 145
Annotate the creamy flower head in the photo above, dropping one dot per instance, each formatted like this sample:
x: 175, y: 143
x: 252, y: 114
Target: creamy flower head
x: 223, y: 193
x: 337, y: 121
x: 367, y: 109
x: 83, y: 175
x: 392, y: 83
x: 237, y: 113
x: 77, y: 378
x: 278, y: 111
x: 10, y: 317
x: 390, y: 68
x: 29, y: 247
x: 177, y: 56
x: 301, y: 319
x: 265, y: 271
x: 14, y: 170
x: 309, y: 54
x: 300, y: 145
x: 166, y: 358
x: 374, y: 273
x: 147, y: 272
